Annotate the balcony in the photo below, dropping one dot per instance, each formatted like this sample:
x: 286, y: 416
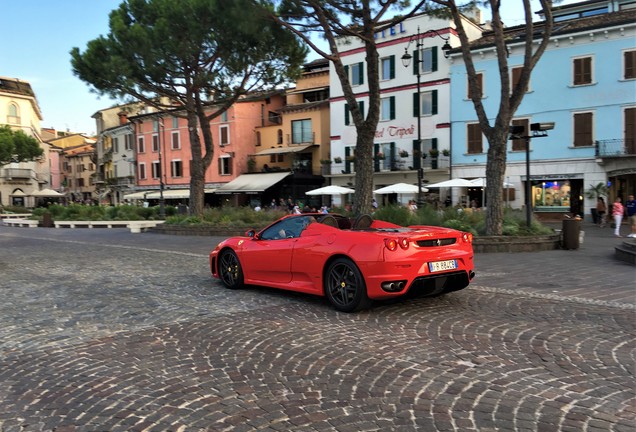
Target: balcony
x: 303, y: 140
x: 615, y: 148
x: 17, y: 173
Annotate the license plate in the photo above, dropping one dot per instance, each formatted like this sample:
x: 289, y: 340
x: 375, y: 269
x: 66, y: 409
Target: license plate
x: 442, y: 265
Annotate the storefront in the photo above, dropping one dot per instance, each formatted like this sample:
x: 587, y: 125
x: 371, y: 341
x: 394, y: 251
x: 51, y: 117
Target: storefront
x: 556, y: 194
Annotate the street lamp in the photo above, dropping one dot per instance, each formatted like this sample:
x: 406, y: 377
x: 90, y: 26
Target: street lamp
x: 406, y: 61
x: 162, y: 201
x: 537, y: 130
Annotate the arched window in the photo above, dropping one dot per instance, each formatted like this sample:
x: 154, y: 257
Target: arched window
x: 13, y: 116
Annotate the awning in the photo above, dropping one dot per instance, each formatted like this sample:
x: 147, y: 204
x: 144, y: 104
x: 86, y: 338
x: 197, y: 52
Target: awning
x: 174, y: 193
x: 252, y: 183
x: 282, y: 150
x: 307, y: 90
x: 136, y: 195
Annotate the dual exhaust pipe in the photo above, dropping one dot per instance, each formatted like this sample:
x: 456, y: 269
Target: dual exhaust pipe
x: 393, y: 286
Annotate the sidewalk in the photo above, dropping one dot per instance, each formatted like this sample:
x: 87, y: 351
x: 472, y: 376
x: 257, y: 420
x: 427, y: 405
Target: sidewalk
x: 590, y: 273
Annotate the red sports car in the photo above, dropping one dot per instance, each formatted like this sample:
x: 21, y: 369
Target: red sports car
x: 351, y: 262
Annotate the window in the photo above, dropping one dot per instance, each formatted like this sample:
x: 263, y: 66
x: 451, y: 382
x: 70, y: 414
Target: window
x: 387, y: 108
x: 583, y: 123
x: 629, y: 58
x: 387, y: 68
x: 141, y: 146
x: 519, y: 144
x: 141, y: 171
x: 480, y: 86
x: 429, y: 59
x: 176, y: 168
x: 128, y: 142
x: 155, y: 125
x: 224, y: 135
x: 425, y: 103
x: 515, y: 75
x: 347, y: 114
x: 582, y: 71
x: 258, y: 138
x: 301, y: 131
x: 175, y: 122
x: 116, y: 145
x: 474, y: 139
x: 176, y: 144
x: 224, y: 116
x: 630, y: 131
x: 155, y: 143
x: 80, y: 182
x: 14, y: 114
x: 279, y: 136
x: 156, y: 170
x: 225, y: 166
x: 357, y: 73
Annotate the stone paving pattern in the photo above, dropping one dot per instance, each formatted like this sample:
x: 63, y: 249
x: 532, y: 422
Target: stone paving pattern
x: 103, y: 330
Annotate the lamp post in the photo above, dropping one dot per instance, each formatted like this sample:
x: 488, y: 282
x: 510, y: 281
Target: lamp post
x: 162, y: 201
x: 537, y: 130
x: 406, y: 62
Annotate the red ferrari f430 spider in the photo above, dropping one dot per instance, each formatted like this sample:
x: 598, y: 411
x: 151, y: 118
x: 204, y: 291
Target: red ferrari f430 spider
x: 351, y: 262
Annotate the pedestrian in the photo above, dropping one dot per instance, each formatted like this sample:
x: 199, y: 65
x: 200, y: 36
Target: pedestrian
x: 630, y: 206
x: 617, y: 211
x: 601, y: 209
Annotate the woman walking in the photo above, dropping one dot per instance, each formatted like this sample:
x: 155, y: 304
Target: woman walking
x: 617, y: 212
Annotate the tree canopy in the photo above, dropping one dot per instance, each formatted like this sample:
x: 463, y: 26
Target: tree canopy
x: 198, y: 56
x: 16, y: 146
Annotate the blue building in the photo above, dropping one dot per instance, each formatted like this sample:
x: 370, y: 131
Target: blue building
x: 585, y: 83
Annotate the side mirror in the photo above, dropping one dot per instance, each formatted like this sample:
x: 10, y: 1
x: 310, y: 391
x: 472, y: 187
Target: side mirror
x: 251, y: 233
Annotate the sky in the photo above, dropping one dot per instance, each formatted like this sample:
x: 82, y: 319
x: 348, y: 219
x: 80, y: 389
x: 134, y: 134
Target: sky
x: 41, y: 35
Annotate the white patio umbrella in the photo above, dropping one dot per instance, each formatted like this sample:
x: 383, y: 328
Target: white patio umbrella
x: 330, y: 190
x: 457, y: 182
x: 47, y: 193
x: 399, y: 188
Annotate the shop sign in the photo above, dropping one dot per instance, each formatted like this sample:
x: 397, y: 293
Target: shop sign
x: 554, y: 177
x: 391, y: 31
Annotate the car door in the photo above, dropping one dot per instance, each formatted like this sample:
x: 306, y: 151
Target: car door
x: 267, y: 257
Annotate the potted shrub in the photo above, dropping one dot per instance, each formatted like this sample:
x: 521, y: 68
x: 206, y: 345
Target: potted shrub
x: 379, y: 156
x: 433, y: 152
x: 446, y: 152
x: 404, y: 153
x: 337, y: 159
x: 325, y: 161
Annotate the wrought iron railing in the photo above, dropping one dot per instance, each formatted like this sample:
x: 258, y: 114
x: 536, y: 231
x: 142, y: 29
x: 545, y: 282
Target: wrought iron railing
x: 615, y: 147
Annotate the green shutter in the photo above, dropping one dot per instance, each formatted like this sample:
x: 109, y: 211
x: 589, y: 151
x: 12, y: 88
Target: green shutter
x: 376, y: 162
x: 392, y: 145
x: 392, y: 108
x: 416, y: 61
x: 361, y: 106
x: 433, y: 59
x: 417, y: 154
x: 434, y: 143
x: 416, y: 104
x: 434, y: 102
x: 361, y: 73
x: 346, y: 113
x: 392, y: 67
x: 346, y: 68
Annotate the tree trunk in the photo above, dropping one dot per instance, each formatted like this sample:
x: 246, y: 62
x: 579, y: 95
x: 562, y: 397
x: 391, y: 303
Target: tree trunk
x: 495, y: 173
x: 197, y: 169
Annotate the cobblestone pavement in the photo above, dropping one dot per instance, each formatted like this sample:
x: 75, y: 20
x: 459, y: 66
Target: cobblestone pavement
x: 103, y: 330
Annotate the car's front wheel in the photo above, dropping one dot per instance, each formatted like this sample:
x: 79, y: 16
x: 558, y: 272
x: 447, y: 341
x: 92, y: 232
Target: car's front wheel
x: 345, y: 287
x: 230, y: 270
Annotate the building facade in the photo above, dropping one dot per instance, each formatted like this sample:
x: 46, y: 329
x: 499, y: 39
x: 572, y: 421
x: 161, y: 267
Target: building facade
x: 415, y: 106
x: 586, y: 84
x: 19, y: 109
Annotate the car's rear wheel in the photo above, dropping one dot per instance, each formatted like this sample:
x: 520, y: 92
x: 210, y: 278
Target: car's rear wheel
x: 345, y: 287
x: 230, y: 270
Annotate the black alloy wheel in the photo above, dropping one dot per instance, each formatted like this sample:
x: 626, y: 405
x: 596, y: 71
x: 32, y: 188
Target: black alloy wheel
x: 345, y: 287
x: 230, y: 270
